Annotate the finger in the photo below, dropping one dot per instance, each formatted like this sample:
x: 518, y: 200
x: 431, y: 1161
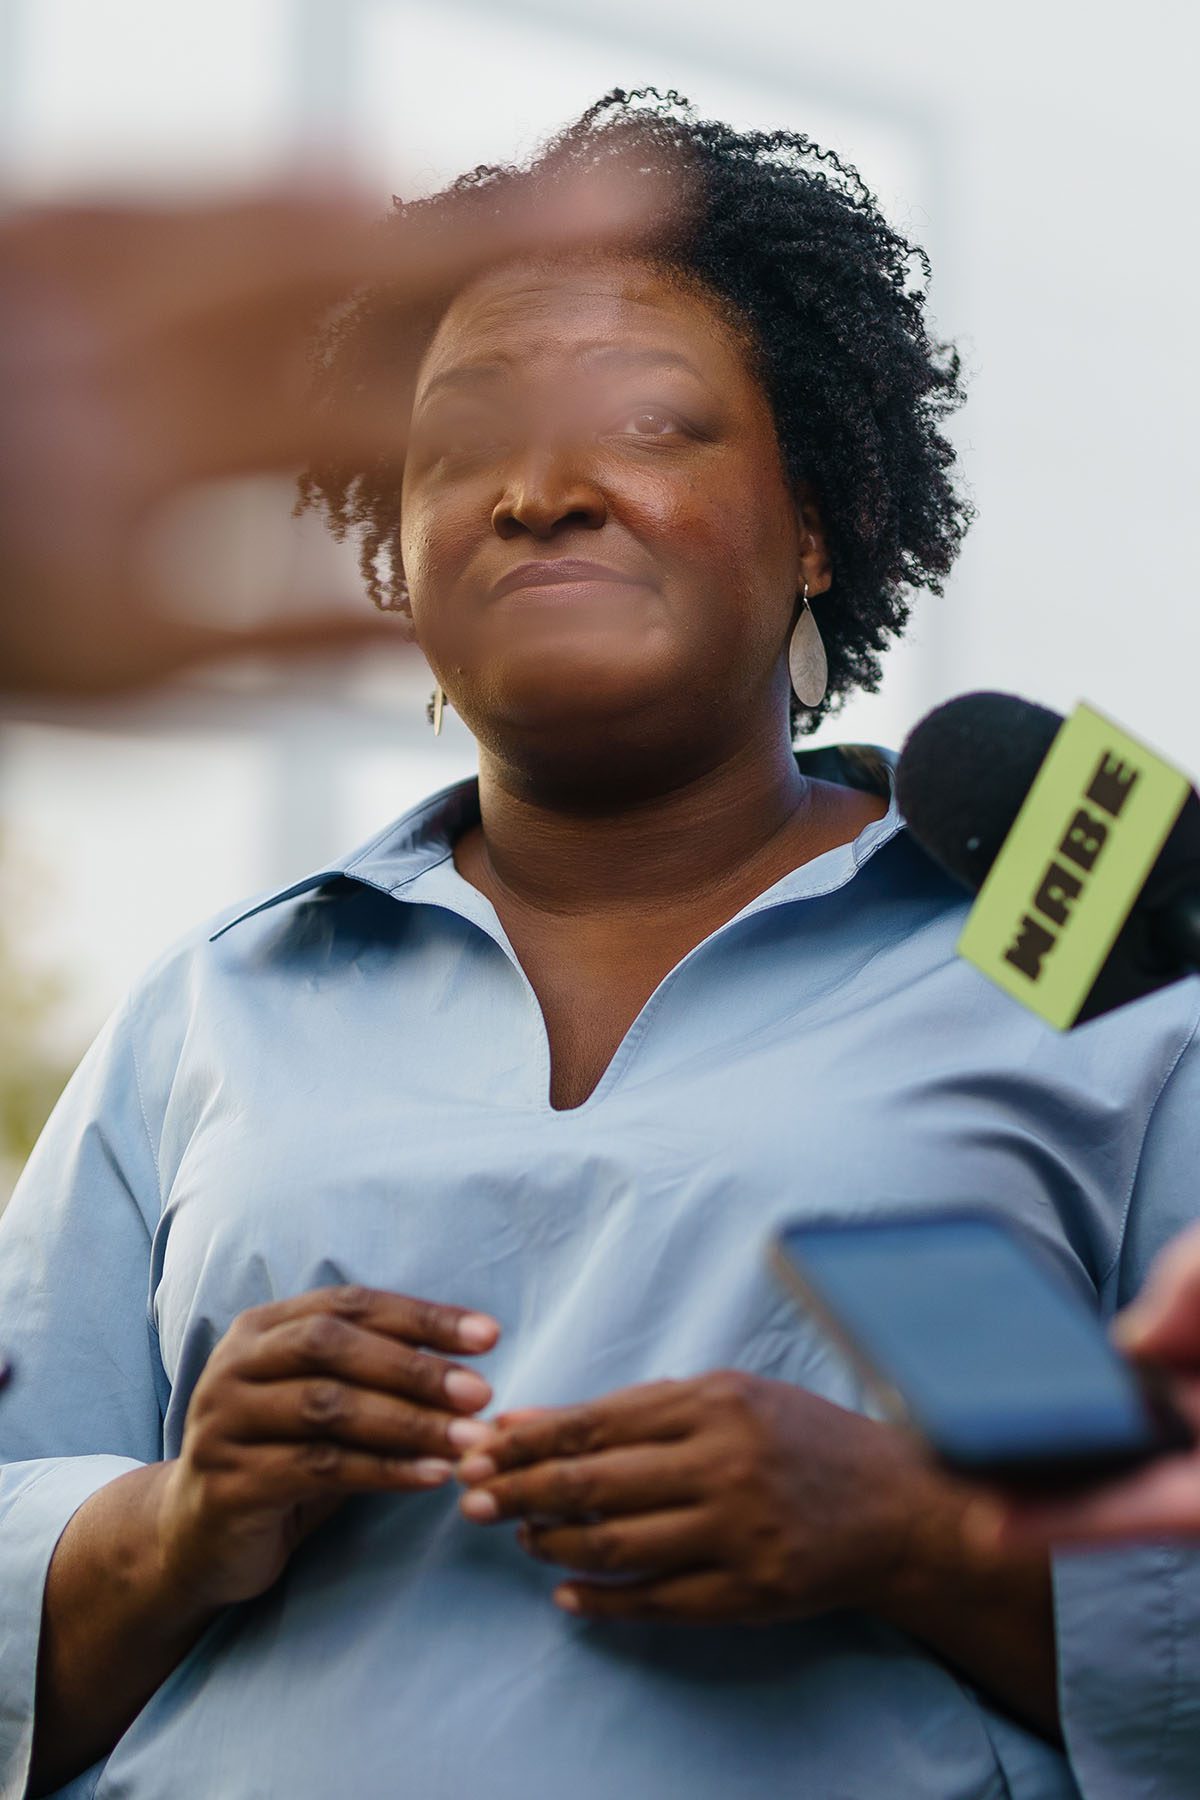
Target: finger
x: 319, y: 632
x: 698, y: 1598
x: 409, y: 1320
x: 165, y: 646
x: 656, y: 1412
x: 282, y: 1474
x: 1164, y: 1321
x: 122, y: 241
x: 1163, y: 1500
x: 143, y: 269
x: 650, y: 1546
x: 614, y: 1482
x: 337, y: 1412
x: 292, y: 253
x: 135, y: 273
x: 327, y: 1347
x: 518, y: 1414
x: 225, y: 419
x: 326, y: 634
x: 432, y: 254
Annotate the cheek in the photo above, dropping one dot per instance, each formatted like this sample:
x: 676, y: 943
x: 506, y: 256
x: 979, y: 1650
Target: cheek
x: 735, y: 542
x: 438, y: 537
x: 718, y: 516
x: 758, y: 517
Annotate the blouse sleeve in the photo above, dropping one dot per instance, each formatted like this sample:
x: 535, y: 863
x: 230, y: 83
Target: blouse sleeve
x: 82, y: 1404
x: 1129, y: 1620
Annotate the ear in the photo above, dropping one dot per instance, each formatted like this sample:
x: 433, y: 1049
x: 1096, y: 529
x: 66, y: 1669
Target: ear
x: 813, y: 565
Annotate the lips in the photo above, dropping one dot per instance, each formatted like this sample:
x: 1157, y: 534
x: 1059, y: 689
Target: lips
x: 563, y: 572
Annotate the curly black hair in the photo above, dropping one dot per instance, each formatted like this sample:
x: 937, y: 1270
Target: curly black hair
x: 830, y: 303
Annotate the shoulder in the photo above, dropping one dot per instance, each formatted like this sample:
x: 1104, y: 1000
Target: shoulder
x: 867, y: 767
x: 267, y: 932
x: 397, y: 853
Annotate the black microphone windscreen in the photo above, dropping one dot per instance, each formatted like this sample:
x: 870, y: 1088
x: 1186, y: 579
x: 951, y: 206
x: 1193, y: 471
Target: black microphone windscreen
x: 964, y: 774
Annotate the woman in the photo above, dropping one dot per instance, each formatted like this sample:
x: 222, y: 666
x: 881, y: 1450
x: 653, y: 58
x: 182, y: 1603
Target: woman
x: 532, y: 1078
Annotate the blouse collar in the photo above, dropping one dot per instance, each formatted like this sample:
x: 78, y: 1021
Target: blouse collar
x: 412, y: 858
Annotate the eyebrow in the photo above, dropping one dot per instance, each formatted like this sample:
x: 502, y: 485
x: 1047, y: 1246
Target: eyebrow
x: 619, y: 356
x: 467, y: 375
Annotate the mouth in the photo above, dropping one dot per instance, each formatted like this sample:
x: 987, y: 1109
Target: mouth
x: 563, y: 578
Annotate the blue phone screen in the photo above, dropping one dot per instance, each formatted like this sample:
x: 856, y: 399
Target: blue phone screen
x: 996, y: 1357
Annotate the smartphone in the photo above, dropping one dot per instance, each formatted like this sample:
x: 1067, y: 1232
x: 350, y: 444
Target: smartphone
x: 966, y: 1331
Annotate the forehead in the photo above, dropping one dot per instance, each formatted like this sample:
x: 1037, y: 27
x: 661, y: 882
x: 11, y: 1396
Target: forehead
x: 530, y: 314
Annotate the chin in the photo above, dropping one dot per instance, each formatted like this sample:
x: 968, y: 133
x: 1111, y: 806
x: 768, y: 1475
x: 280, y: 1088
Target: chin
x: 590, y: 730
x: 557, y: 691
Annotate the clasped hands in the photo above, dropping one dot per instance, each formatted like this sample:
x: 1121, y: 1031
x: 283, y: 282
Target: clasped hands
x: 720, y: 1498
x: 727, y: 1498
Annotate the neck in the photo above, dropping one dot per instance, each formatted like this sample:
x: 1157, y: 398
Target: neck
x: 690, y: 838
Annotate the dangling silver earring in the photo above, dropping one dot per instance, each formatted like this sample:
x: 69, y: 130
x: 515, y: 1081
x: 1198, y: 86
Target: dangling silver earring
x: 433, y: 709
x: 807, y: 664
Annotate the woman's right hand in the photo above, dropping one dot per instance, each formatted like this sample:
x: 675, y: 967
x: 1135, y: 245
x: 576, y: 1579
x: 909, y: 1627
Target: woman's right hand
x: 302, y: 1403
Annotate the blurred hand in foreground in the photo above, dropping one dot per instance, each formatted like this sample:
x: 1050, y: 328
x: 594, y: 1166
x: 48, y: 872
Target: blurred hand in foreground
x: 1161, y: 1327
x: 144, y: 350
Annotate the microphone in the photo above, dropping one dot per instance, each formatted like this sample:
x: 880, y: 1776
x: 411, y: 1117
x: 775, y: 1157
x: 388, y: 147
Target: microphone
x: 1082, y: 844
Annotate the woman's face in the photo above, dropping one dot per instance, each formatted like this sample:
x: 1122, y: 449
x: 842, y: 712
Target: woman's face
x: 601, y: 546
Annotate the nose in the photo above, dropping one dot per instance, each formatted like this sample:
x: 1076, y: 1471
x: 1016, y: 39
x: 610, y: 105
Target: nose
x: 548, y: 491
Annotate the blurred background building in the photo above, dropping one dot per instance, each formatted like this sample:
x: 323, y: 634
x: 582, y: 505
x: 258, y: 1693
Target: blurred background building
x: 1044, y: 153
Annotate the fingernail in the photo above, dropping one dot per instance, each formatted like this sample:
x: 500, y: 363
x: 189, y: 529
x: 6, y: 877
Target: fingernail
x: 465, y: 1432
x: 477, y: 1331
x: 476, y: 1468
x: 466, y: 1389
x: 568, y: 1599
x: 1130, y: 1327
x: 432, y: 1469
x: 480, y: 1507
x: 982, y: 1525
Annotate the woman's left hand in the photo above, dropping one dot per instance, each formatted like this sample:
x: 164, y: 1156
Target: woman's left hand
x: 725, y: 1498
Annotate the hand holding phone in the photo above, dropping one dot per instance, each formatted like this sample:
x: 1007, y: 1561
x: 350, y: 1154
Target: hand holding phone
x: 1156, y: 1499
x: 965, y: 1330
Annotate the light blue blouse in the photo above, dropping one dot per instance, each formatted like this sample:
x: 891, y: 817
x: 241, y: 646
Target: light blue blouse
x: 347, y: 1081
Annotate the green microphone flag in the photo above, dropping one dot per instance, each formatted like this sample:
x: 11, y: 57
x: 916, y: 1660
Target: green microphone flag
x: 1070, y: 870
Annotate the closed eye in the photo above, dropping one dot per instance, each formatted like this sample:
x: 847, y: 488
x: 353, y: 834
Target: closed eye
x: 649, y: 422
x: 477, y: 441
x: 463, y: 435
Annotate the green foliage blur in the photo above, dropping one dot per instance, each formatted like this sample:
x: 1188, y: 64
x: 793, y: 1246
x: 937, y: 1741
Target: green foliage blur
x: 33, y: 1070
